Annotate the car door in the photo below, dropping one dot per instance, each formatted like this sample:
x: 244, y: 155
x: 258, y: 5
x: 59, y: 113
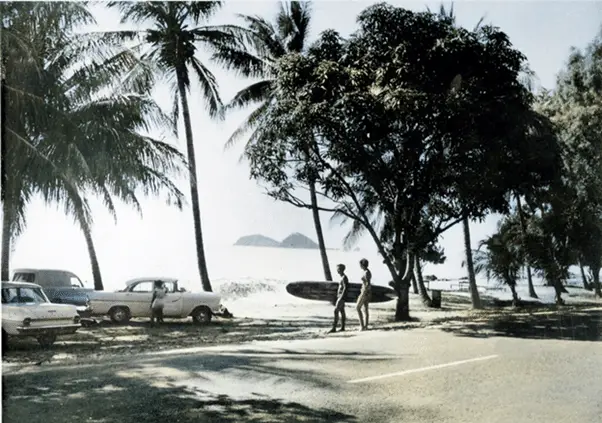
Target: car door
x: 173, y: 300
x: 139, y: 297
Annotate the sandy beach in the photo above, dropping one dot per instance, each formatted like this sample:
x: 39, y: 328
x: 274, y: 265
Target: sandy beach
x: 256, y: 320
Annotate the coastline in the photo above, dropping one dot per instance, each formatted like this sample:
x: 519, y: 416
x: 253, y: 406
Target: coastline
x: 256, y: 321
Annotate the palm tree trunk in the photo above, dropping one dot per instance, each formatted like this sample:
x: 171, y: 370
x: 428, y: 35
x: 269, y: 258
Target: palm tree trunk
x: 514, y: 294
x: 194, y: 193
x: 319, y: 234
x: 584, y: 277
x: 402, y: 308
x: 472, y: 281
x: 414, y: 284
x: 423, y: 293
x: 87, y: 230
x: 523, y: 228
x: 596, y: 282
x: 558, y: 288
x: 6, y: 230
x: 6, y: 203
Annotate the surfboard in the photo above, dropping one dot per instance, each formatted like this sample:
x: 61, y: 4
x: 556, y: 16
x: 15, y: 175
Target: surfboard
x: 327, y: 291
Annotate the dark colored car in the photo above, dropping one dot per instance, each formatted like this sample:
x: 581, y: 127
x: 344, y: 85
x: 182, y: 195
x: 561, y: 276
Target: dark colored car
x: 60, y: 286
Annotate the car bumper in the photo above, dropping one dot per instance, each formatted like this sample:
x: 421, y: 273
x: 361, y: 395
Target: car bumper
x: 84, y: 311
x: 41, y: 330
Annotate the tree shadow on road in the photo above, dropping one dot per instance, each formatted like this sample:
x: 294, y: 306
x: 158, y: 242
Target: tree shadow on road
x: 575, y: 324
x: 129, y: 400
x: 174, y: 389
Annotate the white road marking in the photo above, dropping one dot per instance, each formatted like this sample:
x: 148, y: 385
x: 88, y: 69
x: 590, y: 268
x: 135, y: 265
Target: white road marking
x: 422, y: 369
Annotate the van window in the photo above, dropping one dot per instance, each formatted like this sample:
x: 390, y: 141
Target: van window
x: 76, y: 283
x: 24, y: 277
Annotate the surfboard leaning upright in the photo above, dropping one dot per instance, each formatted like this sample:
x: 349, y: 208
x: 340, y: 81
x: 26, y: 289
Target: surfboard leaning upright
x: 327, y: 291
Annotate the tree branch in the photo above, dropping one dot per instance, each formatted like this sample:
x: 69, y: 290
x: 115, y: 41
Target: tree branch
x: 295, y: 201
x: 440, y: 230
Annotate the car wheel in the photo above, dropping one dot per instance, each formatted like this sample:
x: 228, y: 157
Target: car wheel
x: 201, y: 315
x: 120, y: 314
x: 46, y: 340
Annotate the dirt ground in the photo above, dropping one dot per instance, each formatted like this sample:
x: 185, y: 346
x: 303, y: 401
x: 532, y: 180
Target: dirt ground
x: 108, y: 339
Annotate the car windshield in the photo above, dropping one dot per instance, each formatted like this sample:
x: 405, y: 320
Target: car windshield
x: 24, y: 277
x: 22, y: 296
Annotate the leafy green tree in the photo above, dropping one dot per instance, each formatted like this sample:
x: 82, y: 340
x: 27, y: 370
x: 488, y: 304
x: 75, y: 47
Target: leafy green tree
x: 389, y: 132
x: 174, y: 31
x: 576, y: 108
x: 536, y: 169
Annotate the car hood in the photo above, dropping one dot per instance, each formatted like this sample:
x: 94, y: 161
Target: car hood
x: 39, y: 311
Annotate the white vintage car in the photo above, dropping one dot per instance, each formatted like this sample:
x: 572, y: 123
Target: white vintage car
x: 135, y: 301
x: 26, y: 311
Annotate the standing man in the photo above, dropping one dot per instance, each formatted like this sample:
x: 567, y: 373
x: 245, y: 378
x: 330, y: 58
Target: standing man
x: 157, y: 302
x: 365, y: 294
x: 339, y: 307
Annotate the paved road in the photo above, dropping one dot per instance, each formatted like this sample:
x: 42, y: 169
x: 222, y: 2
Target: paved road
x: 395, y: 376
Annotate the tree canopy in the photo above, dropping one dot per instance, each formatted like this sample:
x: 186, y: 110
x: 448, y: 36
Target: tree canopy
x: 390, y: 126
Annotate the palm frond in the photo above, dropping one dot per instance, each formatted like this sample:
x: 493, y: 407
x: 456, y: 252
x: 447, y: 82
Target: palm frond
x: 240, y: 60
x: 209, y: 88
x: 258, y: 92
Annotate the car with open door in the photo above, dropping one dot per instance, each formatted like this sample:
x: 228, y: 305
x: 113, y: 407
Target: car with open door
x: 135, y: 300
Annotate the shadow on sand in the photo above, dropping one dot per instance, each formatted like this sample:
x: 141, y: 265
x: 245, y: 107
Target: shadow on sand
x: 137, y: 335
x: 577, y: 323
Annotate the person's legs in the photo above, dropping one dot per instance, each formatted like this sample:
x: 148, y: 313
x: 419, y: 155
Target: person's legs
x: 359, y: 313
x: 160, y: 315
x: 367, y: 314
x: 362, y: 301
x: 343, y: 318
x: 336, y: 321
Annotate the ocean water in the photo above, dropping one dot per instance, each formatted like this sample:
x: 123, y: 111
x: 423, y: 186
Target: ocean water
x: 249, y: 265
x: 253, y: 279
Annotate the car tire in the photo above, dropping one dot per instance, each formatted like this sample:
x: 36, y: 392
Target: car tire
x: 120, y: 314
x: 201, y: 315
x: 47, y: 340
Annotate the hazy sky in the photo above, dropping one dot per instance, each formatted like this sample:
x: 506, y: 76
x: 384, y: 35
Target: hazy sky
x: 231, y: 204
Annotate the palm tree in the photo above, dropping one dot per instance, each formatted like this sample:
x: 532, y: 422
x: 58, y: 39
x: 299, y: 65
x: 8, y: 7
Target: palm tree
x: 501, y: 259
x: 170, y: 43
x: 84, y: 124
x: 266, y: 44
x: 523, y: 225
x: 24, y: 107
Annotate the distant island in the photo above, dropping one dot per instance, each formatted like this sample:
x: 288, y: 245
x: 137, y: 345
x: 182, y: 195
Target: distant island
x: 257, y: 241
x: 295, y: 240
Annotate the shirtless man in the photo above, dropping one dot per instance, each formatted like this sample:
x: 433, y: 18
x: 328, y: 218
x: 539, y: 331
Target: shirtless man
x: 339, y: 307
x: 365, y: 294
x: 158, y: 302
